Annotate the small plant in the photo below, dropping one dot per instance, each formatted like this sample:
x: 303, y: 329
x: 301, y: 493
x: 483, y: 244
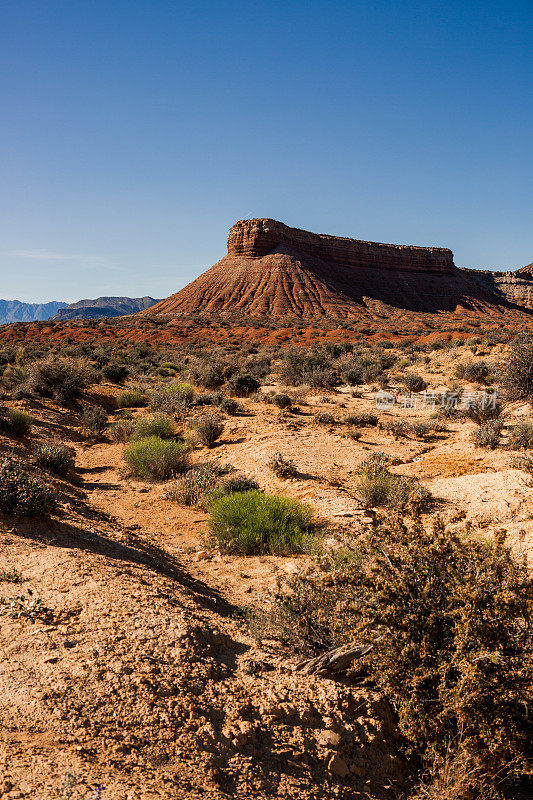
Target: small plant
x: 131, y: 398
x: 195, y: 486
x: 21, y: 495
x: 17, y: 422
x: 160, y: 425
x: 25, y: 607
x: 377, y: 487
x: 209, y: 429
x: 353, y: 433
x: 239, y: 483
x: 10, y: 576
x: 481, y: 410
x: 488, y: 434
x: 473, y: 371
x: 94, y: 420
x: 253, y: 522
x: 397, y: 427
x: 281, y: 466
x: 55, y: 458
x: 157, y: 458
x: 517, y: 372
x: 521, y: 436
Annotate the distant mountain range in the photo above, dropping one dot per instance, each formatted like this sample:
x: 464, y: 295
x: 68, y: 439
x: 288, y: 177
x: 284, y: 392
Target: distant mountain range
x: 104, y: 307
x: 17, y: 311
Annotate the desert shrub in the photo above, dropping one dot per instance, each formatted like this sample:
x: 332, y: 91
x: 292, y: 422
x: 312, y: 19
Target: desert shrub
x: 517, y: 372
x: 172, y: 398
x: 413, y: 382
x: 94, y: 420
x: 239, y: 483
x: 325, y: 418
x: 397, y: 427
x: 55, y: 458
x: 488, y: 434
x: 116, y: 373
x: 482, y: 409
x: 131, y: 398
x: 282, y: 400
x: 473, y: 371
x: 363, y: 420
x: 281, y: 466
x: 422, y: 429
x: 253, y: 522
x: 17, y: 422
x: 446, y: 619
x: 312, y: 367
x: 377, y: 486
x: 229, y: 406
x: 121, y: 430
x: 60, y: 378
x: 521, y: 436
x: 209, y: 429
x: 353, y: 433
x: 22, y: 495
x: 210, y: 377
x: 208, y: 399
x: 194, y: 487
x: 157, y: 458
x: 160, y: 425
x: 243, y: 385
x: 524, y: 462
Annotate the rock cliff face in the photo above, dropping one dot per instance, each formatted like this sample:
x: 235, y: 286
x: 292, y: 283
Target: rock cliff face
x: 273, y: 269
x: 258, y: 237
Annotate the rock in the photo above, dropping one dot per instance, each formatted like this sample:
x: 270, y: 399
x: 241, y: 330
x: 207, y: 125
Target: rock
x: 328, y: 739
x: 338, y: 766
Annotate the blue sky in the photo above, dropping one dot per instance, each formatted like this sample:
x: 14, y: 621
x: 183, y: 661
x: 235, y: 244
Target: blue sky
x: 134, y: 133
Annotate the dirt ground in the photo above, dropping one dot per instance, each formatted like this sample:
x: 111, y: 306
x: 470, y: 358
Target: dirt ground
x: 144, y: 680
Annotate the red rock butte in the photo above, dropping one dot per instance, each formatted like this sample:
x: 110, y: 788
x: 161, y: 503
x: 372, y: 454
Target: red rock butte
x: 273, y: 269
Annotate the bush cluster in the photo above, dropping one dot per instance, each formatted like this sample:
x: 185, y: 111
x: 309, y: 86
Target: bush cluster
x: 55, y: 458
x: 156, y: 458
x: 22, y: 495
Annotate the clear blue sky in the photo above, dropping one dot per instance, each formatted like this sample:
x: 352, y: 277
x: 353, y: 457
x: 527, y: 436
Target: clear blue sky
x: 135, y: 132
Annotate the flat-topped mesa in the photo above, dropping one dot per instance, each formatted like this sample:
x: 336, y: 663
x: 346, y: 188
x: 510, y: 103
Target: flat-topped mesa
x: 258, y: 237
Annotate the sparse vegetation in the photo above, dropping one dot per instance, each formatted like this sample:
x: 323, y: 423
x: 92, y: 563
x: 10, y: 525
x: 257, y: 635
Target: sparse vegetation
x: 131, y: 398
x: 94, y: 420
x: 521, y: 436
x: 160, y: 425
x: 488, y: 434
x: 17, y: 422
x: 209, y: 429
x: 281, y: 466
x: 377, y: 486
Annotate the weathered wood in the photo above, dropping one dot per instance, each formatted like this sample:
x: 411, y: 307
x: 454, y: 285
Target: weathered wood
x: 334, y: 661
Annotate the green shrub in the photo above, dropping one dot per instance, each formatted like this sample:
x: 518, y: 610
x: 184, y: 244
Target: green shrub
x: 253, y: 522
x: 160, y: 425
x: 209, y: 429
x: 60, y: 378
x: 131, y: 398
x: 54, y: 458
x: 21, y: 495
x: 17, y: 422
x: 521, y: 436
x: 446, y: 619
x: 488, y: 434
x: 243, y: 385
x: 94, y: 420
x: 157, y: 458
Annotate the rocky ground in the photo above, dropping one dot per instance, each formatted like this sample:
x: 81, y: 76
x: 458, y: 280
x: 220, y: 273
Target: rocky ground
x: 139, y: 674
